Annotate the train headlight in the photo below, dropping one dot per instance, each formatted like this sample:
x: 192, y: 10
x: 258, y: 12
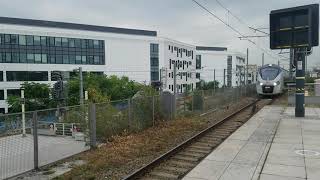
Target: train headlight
x: 276, y: 83
x: 261, y: 84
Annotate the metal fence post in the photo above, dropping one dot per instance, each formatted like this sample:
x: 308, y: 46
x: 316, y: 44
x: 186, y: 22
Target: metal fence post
x: 153, y: 123
x: 129, y: 113
x: 35, y: 141
x: 192, y: 99
x: 92, y: 119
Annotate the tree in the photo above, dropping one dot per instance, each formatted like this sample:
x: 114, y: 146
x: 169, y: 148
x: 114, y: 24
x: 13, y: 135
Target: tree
x: 208, y: 85
x: 36, y: 97
x: 102, y: 88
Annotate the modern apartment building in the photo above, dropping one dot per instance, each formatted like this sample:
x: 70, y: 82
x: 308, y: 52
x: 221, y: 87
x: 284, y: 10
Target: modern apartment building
x: 220, y: 64
x: 35, y: 50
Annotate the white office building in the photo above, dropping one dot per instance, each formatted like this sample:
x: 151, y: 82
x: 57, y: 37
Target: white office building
x: 34, y: 50
x: 220, y: 64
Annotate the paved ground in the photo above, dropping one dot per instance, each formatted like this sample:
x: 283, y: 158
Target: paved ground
x: 270, y: 146
x: 16, y: 152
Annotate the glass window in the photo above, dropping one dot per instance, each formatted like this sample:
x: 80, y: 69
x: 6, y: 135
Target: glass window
x: 65, y: 59
x: 37, y: 58
x: 71, y: 42
x: 13, y: 92
x: 269, y: 73
x: 65, y: 42
x: 72, y: 59
x: 96, y: 44
x: 1, y: 75
x: 27, y: 76
x: 30, y: 58
x: 52, y: 59
x: 57, y: 41
x: 1, y: 95
x: 101, y: 43
x: 1, y: 38
x: 43, y: 41
x: 22, y: 39
x: 78, y: 59
x: 83, y: 43
x: 1, y: 57
x: 90, y: 43
x: 7, y: 39
x: 44, y: 58
x: 29, y: 40
x: 51, y: 41
x: 14, y: 39
x: 8, y: 57
x: 15, y: 57
x: 78, y: 43
x: 90, y: 60
x: 23, y: 57
x: 96, y: 60
x: 59, y: 59
x: 84, y: 59
x: 37, y: 40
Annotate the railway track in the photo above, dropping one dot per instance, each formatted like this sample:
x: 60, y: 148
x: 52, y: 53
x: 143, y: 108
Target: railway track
x: 180, y: 160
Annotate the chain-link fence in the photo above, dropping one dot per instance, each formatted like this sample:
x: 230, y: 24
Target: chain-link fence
x: 311, y: 93
x: 34, y: 139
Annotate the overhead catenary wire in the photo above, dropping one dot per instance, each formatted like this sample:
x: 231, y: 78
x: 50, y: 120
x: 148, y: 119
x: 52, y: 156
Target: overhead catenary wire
x: 233, y: 28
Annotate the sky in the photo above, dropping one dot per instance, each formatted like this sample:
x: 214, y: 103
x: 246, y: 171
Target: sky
x: 182, y: 20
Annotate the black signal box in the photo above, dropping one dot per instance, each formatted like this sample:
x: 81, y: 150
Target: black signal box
x: 294, y: 27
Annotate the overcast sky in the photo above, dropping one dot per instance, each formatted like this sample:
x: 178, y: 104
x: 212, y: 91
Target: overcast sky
x: 181, y: 20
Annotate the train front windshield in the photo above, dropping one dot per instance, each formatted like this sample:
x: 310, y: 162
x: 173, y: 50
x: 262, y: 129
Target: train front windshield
x: 269, y: 73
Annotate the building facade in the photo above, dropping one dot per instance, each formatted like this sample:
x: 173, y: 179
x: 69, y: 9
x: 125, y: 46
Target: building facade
x: 222, y: 65
x: 36, y: 50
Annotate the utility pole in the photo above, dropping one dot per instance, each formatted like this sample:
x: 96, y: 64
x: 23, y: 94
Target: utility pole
x: 224, y: 77
x: 175, y: 78
x: 81, y: 85
x: 291, y: 63
x: 23, y: 114
x: 246, y: 76
x: 300, y: 54
x: 173, y: 103
x: 278, y: 63
x: 262, y: 59
x: 214, y: 79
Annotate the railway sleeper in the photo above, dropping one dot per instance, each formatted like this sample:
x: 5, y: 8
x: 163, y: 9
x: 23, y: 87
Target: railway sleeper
x: 201, y: 147
x: 181, y: 163
x: 185, y: 158
x: 192, y: 154
x: 175, y: 169
x: 193, y: 150
x: 164, y: 175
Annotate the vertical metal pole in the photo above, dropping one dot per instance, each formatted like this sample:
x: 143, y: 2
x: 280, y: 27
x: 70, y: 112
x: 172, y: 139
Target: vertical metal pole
x: 23, y: 114
x: 300, y: 78
x: 153, y: 122
x: 246, y: 76
x: 278, y: 63
x: 214, y: 79
x: 192, y: 102
x: 161, y: 88
x: 291, y: 63
x: 129, y: 113
x: 224, y: 78
x: 81, y: 85
x: 174, y: 89
x: 262, y: 59
x: 92, y: 117
x: 35, y: 141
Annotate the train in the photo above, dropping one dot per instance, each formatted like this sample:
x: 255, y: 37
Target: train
x: 271, y: 80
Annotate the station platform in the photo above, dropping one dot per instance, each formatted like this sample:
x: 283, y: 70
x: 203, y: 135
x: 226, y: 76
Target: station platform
x: 272, y: 145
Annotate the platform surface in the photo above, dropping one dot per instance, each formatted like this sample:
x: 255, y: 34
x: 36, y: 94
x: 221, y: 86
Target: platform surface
x: 272, y: 145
